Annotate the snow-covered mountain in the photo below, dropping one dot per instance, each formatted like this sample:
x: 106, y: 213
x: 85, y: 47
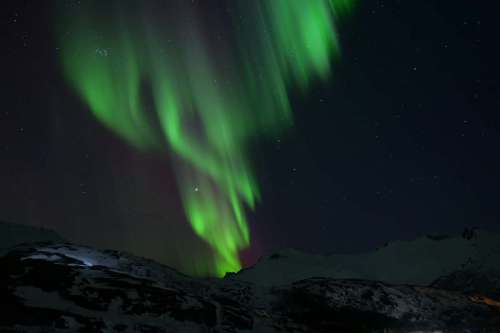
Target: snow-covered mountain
x: 67, y: 288
x: 418, y: 262
x: 70, y: 288
x: 14, y: 234
x: 62, y: 287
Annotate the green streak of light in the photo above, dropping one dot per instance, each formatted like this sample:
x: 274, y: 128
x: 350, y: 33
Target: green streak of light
x: 207, y: 112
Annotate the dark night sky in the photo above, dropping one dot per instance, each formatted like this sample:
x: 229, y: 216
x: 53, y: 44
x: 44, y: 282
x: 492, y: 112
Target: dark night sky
x: 402, y: 141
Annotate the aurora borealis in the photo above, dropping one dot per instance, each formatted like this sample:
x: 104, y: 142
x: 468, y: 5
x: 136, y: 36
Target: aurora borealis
x: 394, y: 136
x: 208, y: 98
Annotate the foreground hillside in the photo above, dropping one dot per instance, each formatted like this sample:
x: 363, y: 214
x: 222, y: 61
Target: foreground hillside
x: 69, y: 288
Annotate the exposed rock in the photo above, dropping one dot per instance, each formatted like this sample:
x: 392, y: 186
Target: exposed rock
x: 69, y: 288
x: 472, y: 282
x: 327, y: 304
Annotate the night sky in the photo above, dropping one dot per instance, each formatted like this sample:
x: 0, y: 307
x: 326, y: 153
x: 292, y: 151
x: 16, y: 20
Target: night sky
x: 402, y: 140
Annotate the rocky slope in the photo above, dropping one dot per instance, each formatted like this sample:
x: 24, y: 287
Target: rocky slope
x: 69, y: 288
x: 472, y: 281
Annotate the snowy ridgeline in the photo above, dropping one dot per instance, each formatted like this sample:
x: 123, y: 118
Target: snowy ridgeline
x: 419, y: 262
x: 15, y: 234
x: 71, y: 288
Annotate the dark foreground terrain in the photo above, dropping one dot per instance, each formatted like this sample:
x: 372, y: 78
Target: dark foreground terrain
x: 69, y: 288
